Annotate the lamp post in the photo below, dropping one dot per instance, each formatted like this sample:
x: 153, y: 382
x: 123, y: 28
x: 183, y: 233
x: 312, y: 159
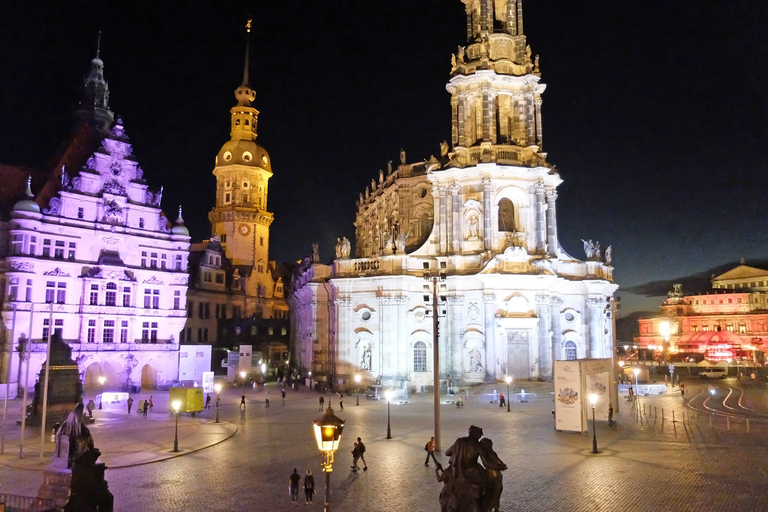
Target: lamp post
x: 508, y: 380
x: 357, y: 389
x: 388, y: 394
x: 217, y: 389
x: 328, y: 430
x: 593, y: 401
x: 242, y: 377
x: 176, y: 404
x: 102, y: 380
x: 636, y: 371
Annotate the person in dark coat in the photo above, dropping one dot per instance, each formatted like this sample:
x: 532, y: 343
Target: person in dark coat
x: 293, y: 481
x: 309, y: 486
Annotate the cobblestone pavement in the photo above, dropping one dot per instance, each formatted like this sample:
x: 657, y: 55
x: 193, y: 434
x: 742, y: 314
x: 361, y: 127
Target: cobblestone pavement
x: 645, y: 462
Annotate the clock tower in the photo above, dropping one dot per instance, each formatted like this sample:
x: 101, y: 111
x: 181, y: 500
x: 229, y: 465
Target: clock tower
x: 240, y: 218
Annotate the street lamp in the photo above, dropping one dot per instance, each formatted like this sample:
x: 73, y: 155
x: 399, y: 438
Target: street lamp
x: 357, y: 389
x: 328, y: 430
x: 593, y: 401
x: 176, y: 404
x: 217, y: 389
x: 102, y: 380
x: 636, y: 372
x: 242, y: 377
x: 388, y: 394
x: 508, y: 380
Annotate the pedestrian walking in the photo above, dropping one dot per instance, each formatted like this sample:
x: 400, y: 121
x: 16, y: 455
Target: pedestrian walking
x: 242, y: 402
x: 282, y: 393
x: 430, y: 448
x: 610, y: 415
x: 361, y: 451
x: 355, y: 457
x: 130, y: 404
x: 208, y: 401
x: 631, y: 393
x: 90, y: 407
x: 309, y: 486
x: 682, y: 390
x: 322, y: 401
x: 341, y: 402
x: 293, y: 486
x: 267, y: 399
x: 502, y: 400
x: 151, y: 404
x: 146, y: 407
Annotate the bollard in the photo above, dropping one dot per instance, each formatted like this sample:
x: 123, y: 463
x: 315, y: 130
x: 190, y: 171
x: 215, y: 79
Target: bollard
x: 654, y: 412
x: 673, y: 416
x: 728, y: 423
x: 710, y: 421
x: 662, y: 415
x: 747, y: 425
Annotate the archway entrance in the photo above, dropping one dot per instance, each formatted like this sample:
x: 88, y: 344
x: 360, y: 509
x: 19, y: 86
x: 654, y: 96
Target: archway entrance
x: 148, y: 377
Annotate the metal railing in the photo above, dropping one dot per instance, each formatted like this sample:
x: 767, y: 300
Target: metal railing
x: 14, y: 503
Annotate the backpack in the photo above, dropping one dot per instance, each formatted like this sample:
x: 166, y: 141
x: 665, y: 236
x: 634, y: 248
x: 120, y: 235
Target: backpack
x: 361, y: 447
x: 426, y: 447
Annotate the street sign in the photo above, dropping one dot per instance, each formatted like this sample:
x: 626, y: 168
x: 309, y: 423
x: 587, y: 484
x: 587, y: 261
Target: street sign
x: 671, y: 368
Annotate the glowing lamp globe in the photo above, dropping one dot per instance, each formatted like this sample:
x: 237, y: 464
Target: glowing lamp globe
x: 508, y: 379
x: 328, y: 430
x: 102, y: 380
x: 217, y: 388
x: 176, y: 404
x: 593, y: 399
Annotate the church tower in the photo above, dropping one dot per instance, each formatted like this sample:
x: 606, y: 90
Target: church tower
x: 240, y: 218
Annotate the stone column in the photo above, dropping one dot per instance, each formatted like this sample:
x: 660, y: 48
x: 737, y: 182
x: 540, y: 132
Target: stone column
x: 490, y: 337
x: 461, y: 112
x: 449, y: 218
x: 468, y: 10
x: 454, y: 120
x: 530, y: 123
x: 541, y: 234
x: 539, y: 132
x: 492, y: 113
x: 484, y: 8
x: 545, y: 349
x: 520, y: 17
x: 443, y: 216
x: 487, y: 212
x: 436, y: 234
x: 551, y: 222
x: 457, y: 219
x: 555, y: 305
x: 486, y: 91
x: 512, y: 17
x: 595, y: 307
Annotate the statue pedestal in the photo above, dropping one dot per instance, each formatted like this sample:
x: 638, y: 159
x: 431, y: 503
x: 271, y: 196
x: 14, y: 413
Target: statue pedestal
x: 57, y: 480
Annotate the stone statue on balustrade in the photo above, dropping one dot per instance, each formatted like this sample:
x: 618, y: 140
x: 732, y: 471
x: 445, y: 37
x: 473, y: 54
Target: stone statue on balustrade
x: 469, y: 486
x: 400, y: 242
x: 343, y: 248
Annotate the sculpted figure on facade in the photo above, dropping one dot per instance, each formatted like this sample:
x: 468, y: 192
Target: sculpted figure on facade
x: 608, y: 255
x: 315, y: 253
x: 475, y: 361
x: 473, y: 226
x: 590, y: 250
x: 338, y: 248
x: 400, y: 242
x: 365, y: 358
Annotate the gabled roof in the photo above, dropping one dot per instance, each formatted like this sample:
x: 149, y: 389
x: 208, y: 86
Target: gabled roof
x: 741, y: 272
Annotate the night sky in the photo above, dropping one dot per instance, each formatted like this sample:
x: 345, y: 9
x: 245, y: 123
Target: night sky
x: 655, y: 112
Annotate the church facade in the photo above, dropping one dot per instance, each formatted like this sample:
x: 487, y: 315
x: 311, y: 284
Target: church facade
x: 479, y: 222
x: 93, y: 257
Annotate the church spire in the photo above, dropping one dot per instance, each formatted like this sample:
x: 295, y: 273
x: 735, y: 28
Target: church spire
x: 93, y: 107
x: 244, y: 94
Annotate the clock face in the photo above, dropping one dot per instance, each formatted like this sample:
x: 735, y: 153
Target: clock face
x: 244, y: 229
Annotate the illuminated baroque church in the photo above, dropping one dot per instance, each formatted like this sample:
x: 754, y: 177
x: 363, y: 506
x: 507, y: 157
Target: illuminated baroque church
x: 482, y: 218
x: 92, y: 256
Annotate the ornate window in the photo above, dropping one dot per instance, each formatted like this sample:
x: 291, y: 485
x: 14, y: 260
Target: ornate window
x: 111, y: 295
x: 124, y: 331
x: 507, y: 217
x: 570, y: 351
x: 108, y: 336
x: 419, y: 357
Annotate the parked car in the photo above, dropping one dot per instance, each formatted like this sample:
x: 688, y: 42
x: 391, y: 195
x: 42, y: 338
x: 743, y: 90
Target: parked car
x: 374, y: 392
x: 714, y: 373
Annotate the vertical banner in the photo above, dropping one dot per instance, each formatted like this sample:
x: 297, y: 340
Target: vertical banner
x: 597, y: 379
x: 568, y: 399
x: 207, y: 382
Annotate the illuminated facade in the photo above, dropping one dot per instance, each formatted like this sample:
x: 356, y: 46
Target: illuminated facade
x: 100, y: 262
x: 482, y: 216
x: 231, y: 274
x: 731, y: 322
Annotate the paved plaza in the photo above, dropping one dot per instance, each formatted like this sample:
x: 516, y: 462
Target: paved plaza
x: 646, y: 462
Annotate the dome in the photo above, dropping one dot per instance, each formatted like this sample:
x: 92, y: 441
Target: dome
x: 178, y: 227
x: 244, y: 152
x: 27, y: 204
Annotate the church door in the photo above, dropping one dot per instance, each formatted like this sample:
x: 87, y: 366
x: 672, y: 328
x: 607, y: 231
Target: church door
x: 518, y: 356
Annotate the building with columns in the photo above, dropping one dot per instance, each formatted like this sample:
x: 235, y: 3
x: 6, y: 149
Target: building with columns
x: 231, y: 274
x: 93, y: 256
x: 482, y: 219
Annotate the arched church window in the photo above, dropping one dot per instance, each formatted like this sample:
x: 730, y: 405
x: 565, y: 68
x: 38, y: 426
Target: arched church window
x: 570, y: 351
x: 507, y: 220
x: 419, y: 357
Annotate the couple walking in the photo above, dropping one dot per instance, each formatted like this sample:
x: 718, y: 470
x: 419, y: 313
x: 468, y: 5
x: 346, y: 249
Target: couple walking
x: 309, y: 486
x: 358, y: 452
